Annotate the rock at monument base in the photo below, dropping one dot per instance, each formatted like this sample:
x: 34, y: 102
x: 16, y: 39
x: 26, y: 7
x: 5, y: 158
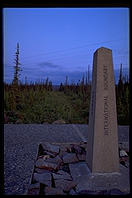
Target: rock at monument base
x: 70, y: 158
x: 62, y: 153
x: 45, y: 157
x: 72, y: 192
x: 41, y: 163
x: 79, y: 169
x: 65, y: 168
x: 123, y: 153
x: 124, y: 146
x: 124, y: 161
x: 61, y: 175
x: 56, y: 160
x: 44, y: 178
x: 78, y: 149
x: 74, y: 178
x: 81, y: 157
x: 41, y: 170
x: 83, y: 184
x: 83, y: 145
x: 50, y: 147
x: 66, y: 185
x: 34, y: 189
x: 70, y: 185
x: 53, y: 191
x: 70, y: 148
x: 51, y: 154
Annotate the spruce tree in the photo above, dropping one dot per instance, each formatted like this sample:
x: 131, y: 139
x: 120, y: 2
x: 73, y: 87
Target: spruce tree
x: 16, y: 67
x: 120, y: 83
x: 15, y: 82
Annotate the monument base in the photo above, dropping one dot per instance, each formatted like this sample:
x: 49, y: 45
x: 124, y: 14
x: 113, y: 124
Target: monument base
x: 97, y: 182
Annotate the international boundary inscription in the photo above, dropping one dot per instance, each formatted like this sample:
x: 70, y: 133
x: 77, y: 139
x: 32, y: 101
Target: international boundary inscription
x: 105, y: 70
x: 106, y: 116
x: 102, y: 147
x: 106, y: 127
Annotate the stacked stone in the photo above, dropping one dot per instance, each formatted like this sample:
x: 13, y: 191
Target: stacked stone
x: 51, y: 174
x: 58, y: 168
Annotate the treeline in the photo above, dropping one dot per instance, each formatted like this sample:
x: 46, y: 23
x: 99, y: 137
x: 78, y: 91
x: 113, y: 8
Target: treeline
x: 47, y: 85
x: 77, y: 93
x: 83, y: 88
x: 122, y: 99
x: 38, y: 102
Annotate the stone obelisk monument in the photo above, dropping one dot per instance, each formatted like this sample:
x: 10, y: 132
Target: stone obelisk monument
x: 102, y: 147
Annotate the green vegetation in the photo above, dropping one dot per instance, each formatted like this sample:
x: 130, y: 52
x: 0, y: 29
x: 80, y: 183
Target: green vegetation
x: 122, y: 99
x: 36, y: 104
x: 40, y: 104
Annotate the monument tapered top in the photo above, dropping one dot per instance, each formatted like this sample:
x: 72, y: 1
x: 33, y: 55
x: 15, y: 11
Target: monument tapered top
x: 103, y: 49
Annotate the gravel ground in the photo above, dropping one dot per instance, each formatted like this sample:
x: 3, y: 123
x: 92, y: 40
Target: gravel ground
x: 21, y: 144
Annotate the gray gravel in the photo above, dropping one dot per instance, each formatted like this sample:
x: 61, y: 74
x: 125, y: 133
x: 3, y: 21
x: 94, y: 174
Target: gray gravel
x: 21, y: 145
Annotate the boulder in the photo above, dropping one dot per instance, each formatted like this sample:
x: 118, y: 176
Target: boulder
x: 41, y: 163
x: 124, y: 145
x: 53, y: 191
x: 63, y: 150
x: 83, y: 145
x: 123, y: 163
x: 65, y: 184
x: 65, y: 168
x: 81, y: 157
x: 70, y: 148
x: 61, y: 175
x: 51, y: 154
x: 123, y: 153
x: 19, y: 121
x: 70, y: 158
x: 56, y: 160
x: 78, y: 149
x: 34, y: 186
x: 62, y: 153
x: 45, y: 157
x: 34, y: 189
x: 50, y: 147
x: 41, y: 170
x: 72, y: 192
x: 59, y: 122
x: 44, y: 178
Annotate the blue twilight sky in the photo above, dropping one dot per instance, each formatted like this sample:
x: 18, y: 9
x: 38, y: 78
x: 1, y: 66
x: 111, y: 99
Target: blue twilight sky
x: 55, y: 42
